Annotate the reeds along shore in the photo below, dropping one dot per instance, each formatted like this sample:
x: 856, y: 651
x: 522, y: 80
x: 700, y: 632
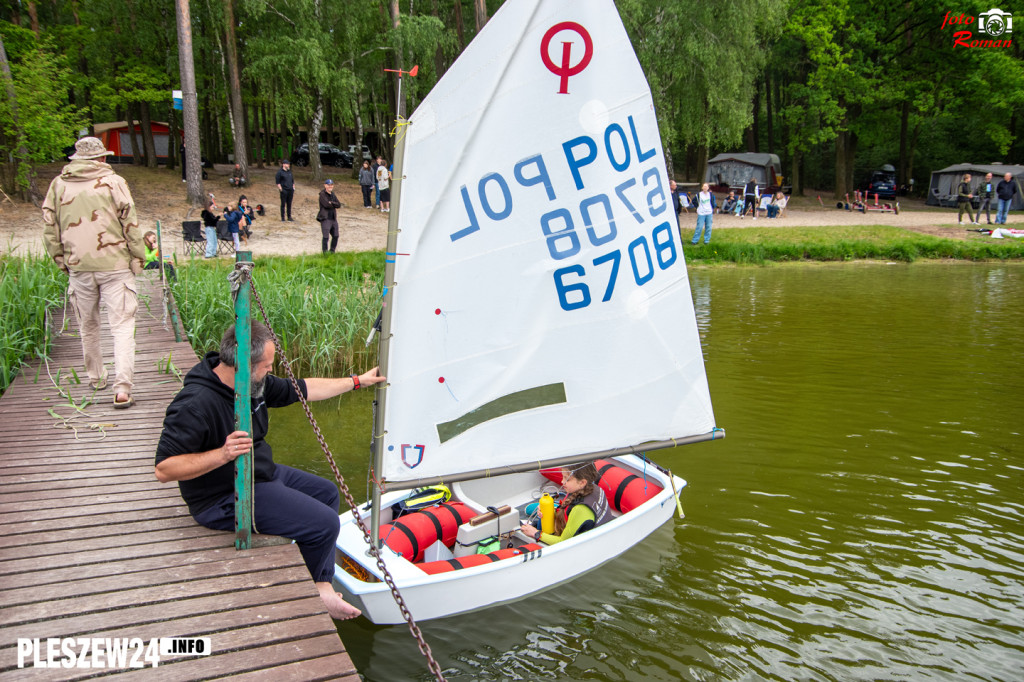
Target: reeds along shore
x: 29, y: 285
x: 321, y: 307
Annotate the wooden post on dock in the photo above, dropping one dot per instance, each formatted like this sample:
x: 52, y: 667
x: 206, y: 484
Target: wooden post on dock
x: 243, y: 409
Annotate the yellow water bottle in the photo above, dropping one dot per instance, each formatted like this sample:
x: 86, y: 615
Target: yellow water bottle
x: 547, y: 514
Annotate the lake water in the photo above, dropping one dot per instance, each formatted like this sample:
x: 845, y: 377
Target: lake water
x: 864, y: 518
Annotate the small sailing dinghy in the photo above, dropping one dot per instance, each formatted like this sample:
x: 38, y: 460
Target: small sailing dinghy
x: 537, y: 313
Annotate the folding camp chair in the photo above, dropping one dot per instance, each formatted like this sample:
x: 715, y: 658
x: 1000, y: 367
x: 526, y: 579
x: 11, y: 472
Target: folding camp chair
x: 192, y: 237
x: 225, y: 242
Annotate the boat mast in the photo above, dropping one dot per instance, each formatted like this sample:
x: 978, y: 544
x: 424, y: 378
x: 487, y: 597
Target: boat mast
x: 384, y: 344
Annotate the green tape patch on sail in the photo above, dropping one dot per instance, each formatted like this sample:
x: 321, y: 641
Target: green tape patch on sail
x: 527, y: 399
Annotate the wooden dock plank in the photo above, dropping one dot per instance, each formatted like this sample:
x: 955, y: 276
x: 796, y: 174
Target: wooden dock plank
x: 92, y: 545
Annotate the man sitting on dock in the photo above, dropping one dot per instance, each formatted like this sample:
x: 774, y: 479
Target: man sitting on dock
x: 199, y: 444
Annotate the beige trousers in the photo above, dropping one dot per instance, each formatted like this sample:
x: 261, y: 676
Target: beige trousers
x: 117, y: 291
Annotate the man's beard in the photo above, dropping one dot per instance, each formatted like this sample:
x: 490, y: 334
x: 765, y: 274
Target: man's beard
x: 256, y: 388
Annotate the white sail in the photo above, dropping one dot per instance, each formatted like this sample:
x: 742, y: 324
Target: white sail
x: 540, y: 305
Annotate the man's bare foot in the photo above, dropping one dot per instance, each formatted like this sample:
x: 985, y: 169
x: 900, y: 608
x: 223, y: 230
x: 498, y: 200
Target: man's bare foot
x: 337, y: 608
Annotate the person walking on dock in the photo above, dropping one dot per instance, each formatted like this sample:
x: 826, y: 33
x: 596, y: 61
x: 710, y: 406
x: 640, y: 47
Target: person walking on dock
x: 199, y: 444
x: 92, y: 233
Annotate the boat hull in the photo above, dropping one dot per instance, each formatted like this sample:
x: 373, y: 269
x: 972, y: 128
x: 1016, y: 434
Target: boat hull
x: 500, y: 582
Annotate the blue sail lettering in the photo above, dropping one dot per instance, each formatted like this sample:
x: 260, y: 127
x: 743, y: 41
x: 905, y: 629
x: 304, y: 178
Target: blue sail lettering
x: 576, y: 163
x: 485, y: 203
x: 474, y: 224
x: 541, y: 178
x: 640, y: 156
x: 616, y: 128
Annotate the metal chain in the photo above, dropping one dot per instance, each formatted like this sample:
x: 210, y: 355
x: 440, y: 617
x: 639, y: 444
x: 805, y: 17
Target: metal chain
x: 374, y: 551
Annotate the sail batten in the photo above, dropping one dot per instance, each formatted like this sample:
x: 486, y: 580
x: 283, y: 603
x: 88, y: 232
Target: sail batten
x: 543, y: 308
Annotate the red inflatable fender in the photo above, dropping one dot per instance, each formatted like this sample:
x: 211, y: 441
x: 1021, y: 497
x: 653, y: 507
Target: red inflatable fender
x: 625, y: 491
x: 433, y: 567
x: 413, y: 533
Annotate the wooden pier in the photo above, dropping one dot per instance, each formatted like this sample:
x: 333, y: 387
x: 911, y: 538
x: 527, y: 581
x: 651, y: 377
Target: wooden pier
x: 93, y: 546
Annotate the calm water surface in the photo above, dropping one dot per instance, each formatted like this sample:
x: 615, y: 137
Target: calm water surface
x: 862, y: 521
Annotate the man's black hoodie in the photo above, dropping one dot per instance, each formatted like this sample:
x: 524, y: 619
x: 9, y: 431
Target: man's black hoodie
x: 201, y: 417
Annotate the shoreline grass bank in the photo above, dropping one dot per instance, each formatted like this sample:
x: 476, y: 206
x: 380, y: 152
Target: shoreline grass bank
x: 761, y: 245
x: 28, y: 286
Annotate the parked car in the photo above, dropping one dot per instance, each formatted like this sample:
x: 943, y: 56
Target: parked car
x: 352, y: 149
x: 883, y: 184
x: 329, y: 156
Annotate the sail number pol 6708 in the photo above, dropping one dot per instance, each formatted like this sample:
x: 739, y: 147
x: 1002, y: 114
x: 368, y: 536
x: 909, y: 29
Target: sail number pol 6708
x: 564, y: 242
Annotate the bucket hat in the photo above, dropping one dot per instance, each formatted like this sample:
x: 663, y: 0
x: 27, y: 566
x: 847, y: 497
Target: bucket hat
x: 89, y: 148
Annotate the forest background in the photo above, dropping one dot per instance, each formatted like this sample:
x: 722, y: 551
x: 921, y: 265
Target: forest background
x: 835, y: 88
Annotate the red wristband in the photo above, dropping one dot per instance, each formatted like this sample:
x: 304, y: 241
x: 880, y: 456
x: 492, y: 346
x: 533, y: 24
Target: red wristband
x: 355, y: 383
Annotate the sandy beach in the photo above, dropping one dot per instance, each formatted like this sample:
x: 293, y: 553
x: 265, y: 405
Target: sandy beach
x: 160, y: 195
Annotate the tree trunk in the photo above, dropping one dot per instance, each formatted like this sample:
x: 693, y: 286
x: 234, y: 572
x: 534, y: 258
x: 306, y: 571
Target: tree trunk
x: 768, y: 112
x: 257, y: 141
x: 190, y: 105
x: 329, y: 121
x: 132, y: 108
x: 283, y: 150
x: 460, y: 29
x: 755, y: 127
x: 268, y: 140
x: 33, y: 18
x: 438, y: 53
x: 172, y: 138
x: 241, y: 140
x: 702, y: 162
x: 840, y: 171
x: 901, y: 169
x: 147, y: 135
x: 795, y: 180
x: 480, y: 13
x: 314, y: 139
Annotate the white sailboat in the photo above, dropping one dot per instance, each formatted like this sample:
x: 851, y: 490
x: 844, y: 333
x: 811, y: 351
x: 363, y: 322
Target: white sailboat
x: 537, y: 312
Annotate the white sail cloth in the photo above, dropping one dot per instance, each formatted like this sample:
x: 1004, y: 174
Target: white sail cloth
x: 540, y: 305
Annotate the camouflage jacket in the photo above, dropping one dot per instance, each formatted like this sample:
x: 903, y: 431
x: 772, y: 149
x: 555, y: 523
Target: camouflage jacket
x: 90, y: 221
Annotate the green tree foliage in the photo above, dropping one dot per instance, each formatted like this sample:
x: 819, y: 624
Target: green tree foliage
x: 702, y: 60
x: 36, y: 120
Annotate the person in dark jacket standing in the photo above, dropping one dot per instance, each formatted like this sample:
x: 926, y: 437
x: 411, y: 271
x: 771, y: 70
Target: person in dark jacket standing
x: 199, y: 444
x: 963, y: 200
x: 750, y: 198
x: 986, y: 190
x: 1005, y: 191
x: 328, y: 215
x: 286, y: 186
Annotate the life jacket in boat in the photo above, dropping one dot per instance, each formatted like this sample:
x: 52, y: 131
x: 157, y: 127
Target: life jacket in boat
x: 598, y: 504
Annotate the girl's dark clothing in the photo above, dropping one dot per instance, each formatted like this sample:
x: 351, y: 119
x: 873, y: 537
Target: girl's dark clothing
x: 209, y: 219
x: 233, y: 218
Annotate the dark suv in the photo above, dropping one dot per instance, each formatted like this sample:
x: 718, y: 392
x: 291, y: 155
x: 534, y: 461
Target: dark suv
x: 329, y: 156
x: 883, y: 184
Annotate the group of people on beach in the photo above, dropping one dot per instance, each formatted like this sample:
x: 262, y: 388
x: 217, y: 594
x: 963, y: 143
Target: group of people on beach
x: 239, y: 217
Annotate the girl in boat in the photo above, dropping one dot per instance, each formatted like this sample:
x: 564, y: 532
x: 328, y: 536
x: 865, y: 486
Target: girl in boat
x: 584, y: 507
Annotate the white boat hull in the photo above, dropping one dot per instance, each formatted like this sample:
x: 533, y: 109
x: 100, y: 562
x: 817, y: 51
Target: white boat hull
x: 470, y: 589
